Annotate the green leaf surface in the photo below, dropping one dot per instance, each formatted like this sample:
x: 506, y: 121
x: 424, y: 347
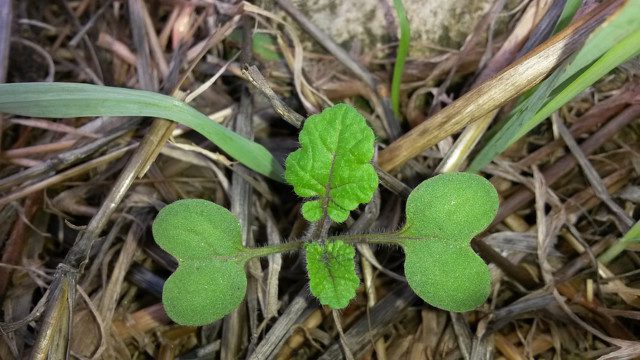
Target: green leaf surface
x: 333, y: 164
x: 201, y: 292
x: 332, y: 275
x: 610, y: 45
x: 210, y: 280
x: 443, y: 214
x: 65, y: 100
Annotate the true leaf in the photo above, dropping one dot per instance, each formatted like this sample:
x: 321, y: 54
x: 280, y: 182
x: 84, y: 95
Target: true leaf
x: 443, y: 214
x: 210, y: 280
x: 333, y: 164
x: 332, y: 276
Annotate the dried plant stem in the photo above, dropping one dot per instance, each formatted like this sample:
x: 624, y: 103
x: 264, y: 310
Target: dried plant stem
x: 77, y: 256
x: 591, y: 174
x: 16, y: 243
x: 387, y: 311
x: 465, y: 143
x: 253, y: 75
x: 566, y: 163
x: 73, y: 172
x: 343, y: 340
x: 52, y: 342
x: 273, y: 340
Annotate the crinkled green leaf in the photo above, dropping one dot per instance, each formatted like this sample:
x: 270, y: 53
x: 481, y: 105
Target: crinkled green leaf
x: 443, y: 214
x: 333, y: 165
x: 332, y: 275
x: 210, y: 280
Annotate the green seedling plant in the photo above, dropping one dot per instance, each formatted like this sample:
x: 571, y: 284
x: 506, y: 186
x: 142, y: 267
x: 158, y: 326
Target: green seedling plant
x: 333, y: 173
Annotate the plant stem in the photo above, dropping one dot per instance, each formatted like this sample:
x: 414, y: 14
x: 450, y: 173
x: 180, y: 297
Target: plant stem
x: 274, y: 249
x: 391, y: 238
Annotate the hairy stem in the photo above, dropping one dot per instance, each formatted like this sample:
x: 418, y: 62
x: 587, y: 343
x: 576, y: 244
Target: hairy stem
x: 383, y: 239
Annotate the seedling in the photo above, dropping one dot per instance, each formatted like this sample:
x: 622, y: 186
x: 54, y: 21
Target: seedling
x: 332, y: 170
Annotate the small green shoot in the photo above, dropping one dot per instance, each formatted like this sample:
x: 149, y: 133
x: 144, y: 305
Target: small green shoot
x: 332, y: 275
x: 442, y: 215
x: 401, y: 56
x: 263, y: 45
x: 630, y: 237
x: 333, y: 165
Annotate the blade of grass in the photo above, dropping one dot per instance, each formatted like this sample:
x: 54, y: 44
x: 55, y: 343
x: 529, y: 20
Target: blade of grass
x: 498, y: 91
x: 609, y: 46
x: 401, y: 56
x: 617, y: 27
x: 64, y: 100
x: 621, y: 52
x: 570, y: 9
x: 632, y: 236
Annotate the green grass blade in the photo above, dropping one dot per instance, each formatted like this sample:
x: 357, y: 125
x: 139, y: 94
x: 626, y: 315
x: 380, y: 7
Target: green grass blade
x: 401, y: 56
x: 65, y: 100
x: 631, y: 237
x: 620, y: 53
x: 623, y: 23
x: 609, y: 46
x: 570, y: 9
